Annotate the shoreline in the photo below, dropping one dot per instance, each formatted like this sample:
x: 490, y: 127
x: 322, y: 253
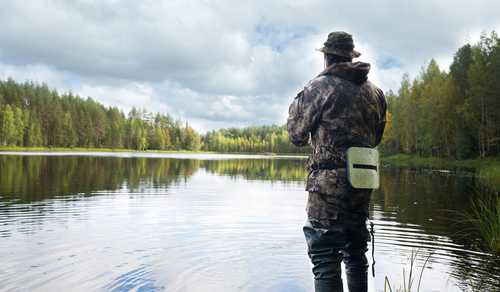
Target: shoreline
x: 486, y: 169
x: 15, y: 149
x: 400, y: 160
x: 407, y: 160
x: 84, y: 149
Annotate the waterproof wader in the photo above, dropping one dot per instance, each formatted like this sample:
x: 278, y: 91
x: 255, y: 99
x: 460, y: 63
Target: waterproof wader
x: 327, y: 248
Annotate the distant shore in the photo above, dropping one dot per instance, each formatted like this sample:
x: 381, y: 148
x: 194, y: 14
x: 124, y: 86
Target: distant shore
x: 83, y: 149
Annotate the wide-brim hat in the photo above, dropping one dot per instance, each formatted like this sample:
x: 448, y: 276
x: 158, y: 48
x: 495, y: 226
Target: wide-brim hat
x: 341, y: 44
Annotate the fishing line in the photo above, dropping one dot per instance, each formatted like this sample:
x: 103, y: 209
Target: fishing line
x: 372, y: 233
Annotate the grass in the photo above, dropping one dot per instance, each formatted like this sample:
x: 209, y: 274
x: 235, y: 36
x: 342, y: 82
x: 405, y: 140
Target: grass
x: 485, y: 217
x: 486, y: 214
x: 409, y: 276
x: 490, y: 175
x: 482, y: 219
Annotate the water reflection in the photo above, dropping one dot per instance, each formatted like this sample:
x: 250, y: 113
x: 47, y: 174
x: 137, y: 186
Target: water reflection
x: 28, y: 179
x: 116, y: 223
x: 421, y: 209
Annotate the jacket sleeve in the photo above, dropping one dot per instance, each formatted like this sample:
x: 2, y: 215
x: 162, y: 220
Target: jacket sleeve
x: 382, y: 120
x: 303, y: 114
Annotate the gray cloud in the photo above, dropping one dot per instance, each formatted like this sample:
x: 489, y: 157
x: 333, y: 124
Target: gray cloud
x: 221, y: 63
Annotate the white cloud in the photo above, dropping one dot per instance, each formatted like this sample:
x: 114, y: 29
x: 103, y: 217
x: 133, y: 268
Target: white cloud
x: 128, y: 95
x: 219, y: 62
x: 39, y: 73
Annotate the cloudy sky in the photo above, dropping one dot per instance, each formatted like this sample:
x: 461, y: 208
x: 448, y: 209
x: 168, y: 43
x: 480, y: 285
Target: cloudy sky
x: 222, y: 63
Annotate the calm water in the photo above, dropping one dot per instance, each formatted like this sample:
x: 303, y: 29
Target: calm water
x: 118, y: 222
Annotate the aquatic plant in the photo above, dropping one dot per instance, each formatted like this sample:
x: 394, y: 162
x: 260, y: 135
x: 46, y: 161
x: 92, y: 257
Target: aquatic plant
x: 480, y: 222
x: 485, y: 216
x: 489, y: 175
x: 481, y: 219
x: 410, y: 277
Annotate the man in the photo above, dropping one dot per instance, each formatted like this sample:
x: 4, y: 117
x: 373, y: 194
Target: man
x: 337, y: 110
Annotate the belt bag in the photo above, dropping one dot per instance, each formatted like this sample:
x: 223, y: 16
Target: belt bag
x: 363, y: 167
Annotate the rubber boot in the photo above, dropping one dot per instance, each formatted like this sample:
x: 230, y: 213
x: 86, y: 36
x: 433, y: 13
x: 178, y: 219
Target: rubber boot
x: 328, y: 285
x: 357, y: 274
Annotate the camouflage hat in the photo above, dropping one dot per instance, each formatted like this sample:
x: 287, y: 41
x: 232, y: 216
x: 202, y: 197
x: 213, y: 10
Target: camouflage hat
x: 341, y: 44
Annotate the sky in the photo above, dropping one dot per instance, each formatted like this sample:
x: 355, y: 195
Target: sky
x: 223, y: 63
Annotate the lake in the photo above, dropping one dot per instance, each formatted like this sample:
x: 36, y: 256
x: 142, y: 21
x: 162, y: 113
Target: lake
x: 207, y: 222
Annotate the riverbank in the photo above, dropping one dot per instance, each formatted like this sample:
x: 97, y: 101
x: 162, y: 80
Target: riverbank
x: 487, y: 169
x: 121, y: 150
x: 434, y: 162
x: 83, y: 149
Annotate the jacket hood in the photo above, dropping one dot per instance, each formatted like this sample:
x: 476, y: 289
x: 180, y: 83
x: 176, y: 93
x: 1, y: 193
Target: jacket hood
x: 356, y: 72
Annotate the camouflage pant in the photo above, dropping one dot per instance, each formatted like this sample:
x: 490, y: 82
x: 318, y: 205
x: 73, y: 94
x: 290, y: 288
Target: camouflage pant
x: 327, y: 248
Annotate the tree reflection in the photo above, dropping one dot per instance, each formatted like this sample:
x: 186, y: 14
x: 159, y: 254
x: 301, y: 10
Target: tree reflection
x: 284, y: 170
x: 26, y: 179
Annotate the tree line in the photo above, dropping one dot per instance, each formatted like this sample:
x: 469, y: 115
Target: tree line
x: 256, y: 139
x: 33, y: 115
x: 454, y: 114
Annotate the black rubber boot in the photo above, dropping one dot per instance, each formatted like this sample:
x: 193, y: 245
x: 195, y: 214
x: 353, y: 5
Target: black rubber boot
x: 357, y: 283
x: 357, y: 273
x: 328, y: 285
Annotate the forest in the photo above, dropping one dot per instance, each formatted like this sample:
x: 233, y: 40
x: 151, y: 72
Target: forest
x: 453, y: 114
x: 34, y: 115
x: 257, y: 139
x: 447, y: 114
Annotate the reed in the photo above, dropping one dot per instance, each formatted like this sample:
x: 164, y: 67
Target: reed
x: 409, y: 276
x: 485, y: 216
x: 489, y: 175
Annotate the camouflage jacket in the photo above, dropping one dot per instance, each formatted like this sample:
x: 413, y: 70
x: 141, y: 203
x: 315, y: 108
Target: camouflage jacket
x: 336, y: 110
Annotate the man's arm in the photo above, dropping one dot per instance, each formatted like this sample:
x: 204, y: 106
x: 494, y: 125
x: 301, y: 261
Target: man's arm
x: 382, y: 120
x: 303, y: 115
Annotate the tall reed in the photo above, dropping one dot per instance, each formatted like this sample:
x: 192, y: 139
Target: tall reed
x: 482, y: 219
x: 409, y: 276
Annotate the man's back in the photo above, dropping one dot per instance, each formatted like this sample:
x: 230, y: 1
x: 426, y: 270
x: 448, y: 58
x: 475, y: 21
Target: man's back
x: 337, y: 110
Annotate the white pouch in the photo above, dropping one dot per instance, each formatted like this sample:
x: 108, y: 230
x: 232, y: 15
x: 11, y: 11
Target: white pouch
x: 363, y: 167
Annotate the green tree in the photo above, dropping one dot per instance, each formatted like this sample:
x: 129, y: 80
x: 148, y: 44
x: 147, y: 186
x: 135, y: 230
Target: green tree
x: 19, y: 127
x: 69, y: 138
x: 34, y: 134
x: 192, y: 141
x: 8, y: 131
